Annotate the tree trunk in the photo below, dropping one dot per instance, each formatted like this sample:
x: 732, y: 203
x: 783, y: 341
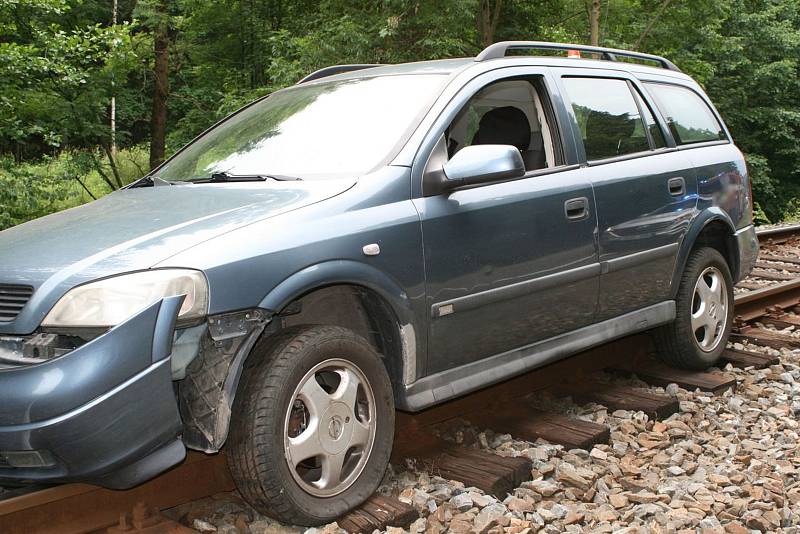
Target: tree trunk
x: 112, y: 162
x: 113, y: 91
x: 158, y: 117
x: 488, y: 17
x: 594, y: 23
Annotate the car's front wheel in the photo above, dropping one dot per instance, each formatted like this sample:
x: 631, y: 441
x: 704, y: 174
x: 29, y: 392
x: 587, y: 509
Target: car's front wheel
x: 703, y: 313
x: 313, y: 425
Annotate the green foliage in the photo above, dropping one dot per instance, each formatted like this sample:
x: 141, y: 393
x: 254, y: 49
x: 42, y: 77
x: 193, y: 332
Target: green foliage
x: 62, y: 60
x: 792, y: 211
x: 31, y: 190
x: 56, y: 81
x: 26, y: 194
x: 759, y: 217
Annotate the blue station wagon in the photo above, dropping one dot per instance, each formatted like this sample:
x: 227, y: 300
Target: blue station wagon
x: 373, y: 238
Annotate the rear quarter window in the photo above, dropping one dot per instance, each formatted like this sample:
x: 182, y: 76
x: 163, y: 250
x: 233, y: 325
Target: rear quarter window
x: 689, y: 118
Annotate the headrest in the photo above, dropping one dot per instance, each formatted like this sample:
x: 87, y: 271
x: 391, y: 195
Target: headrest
x: 504, y: 126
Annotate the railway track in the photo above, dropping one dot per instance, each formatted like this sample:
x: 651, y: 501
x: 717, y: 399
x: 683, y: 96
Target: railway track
x: 601, y: 376
x: 778, y: 233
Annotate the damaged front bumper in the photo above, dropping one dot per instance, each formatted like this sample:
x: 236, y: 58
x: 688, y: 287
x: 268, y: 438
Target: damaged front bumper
x: 104, y: 413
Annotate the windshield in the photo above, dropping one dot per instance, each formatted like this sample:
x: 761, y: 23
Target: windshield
x: 324, y: 130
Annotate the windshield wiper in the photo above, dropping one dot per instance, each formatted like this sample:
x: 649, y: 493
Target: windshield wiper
x: 149, y: 181
x: 218, y: 177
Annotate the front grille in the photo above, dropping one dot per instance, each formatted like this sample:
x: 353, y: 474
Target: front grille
x: 12, y: 300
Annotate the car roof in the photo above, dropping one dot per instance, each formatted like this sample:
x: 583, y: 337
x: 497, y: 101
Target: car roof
x: 437, y: 66
x: 457, y: 65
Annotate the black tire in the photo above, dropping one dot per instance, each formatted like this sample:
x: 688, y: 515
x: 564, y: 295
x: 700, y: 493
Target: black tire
x: 676, y: 343
x: 256, y: 447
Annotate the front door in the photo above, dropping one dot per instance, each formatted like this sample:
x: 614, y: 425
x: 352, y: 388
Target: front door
x: 511, y: 263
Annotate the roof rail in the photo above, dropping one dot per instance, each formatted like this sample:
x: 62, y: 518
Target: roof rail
x: 336, y: 69
x: 498, y: 50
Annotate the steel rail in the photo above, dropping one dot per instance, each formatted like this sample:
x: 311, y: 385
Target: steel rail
x: 80, y: 508
x: 756, y: 303
x: 778, y: 234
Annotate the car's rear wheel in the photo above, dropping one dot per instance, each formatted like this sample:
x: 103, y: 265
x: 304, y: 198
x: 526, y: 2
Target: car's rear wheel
x: 704, y: 313
x: 313, y: 425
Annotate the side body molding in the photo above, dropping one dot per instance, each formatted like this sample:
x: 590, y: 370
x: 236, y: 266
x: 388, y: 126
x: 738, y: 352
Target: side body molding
x: 457, y: 381
x: 703, y: 219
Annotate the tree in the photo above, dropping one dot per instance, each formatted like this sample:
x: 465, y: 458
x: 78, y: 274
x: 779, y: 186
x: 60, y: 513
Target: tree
x: 594, y: 22
x: 55, y: 79
x: 640, y: 41
x: 488, y: 18
x: 158, y: 117
x: 177, y: 66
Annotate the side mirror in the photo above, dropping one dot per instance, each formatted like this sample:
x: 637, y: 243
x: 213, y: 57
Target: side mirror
x: 478, y: 164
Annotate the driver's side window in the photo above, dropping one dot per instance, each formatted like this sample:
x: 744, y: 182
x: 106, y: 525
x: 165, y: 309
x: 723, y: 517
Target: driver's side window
x: 508, y: 112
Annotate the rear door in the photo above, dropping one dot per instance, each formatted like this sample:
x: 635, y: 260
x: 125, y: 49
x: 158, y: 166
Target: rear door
x: 514, y: 262
x: 645, y: 189
x: 702, y: 139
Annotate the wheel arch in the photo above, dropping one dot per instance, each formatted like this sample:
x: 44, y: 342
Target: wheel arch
x: 387, y: 322
x: 714, y: 228
x: 385, y: 316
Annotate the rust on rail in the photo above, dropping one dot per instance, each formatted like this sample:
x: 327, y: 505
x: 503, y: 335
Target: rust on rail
x: 778, y: 234
x: 78, y: 508
x: 759, y: 302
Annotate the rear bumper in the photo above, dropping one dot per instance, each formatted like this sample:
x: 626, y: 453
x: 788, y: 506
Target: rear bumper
x: 104, y: 413
x: 747, y: 244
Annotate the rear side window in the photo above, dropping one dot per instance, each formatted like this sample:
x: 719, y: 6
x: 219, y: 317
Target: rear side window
x: 689, y: 118
x: 608, y: 117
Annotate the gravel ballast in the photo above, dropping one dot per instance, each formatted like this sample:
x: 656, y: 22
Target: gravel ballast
x: 725, y: 463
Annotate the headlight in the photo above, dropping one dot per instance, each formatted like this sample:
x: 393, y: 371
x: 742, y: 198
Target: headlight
x: 109, y: 302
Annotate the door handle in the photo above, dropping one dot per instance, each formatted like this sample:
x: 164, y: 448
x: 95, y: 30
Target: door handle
x: 576, y: 209
x: 676, y: 186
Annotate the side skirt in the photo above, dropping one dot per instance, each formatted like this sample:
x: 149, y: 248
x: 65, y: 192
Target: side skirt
x: 452, y: 383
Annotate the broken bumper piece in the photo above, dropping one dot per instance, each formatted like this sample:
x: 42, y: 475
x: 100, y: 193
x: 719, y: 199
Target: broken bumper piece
x: 104, y: 413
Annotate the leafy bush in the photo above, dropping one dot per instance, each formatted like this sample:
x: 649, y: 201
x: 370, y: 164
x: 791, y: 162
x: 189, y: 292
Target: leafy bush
x: 32, y: 190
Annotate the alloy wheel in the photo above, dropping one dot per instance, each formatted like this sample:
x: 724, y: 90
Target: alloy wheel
x: 330, y: 428
x: 709, y: 309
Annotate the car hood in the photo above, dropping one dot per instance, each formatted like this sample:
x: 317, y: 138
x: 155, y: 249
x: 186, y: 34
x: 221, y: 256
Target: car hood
x: 136, y: 229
